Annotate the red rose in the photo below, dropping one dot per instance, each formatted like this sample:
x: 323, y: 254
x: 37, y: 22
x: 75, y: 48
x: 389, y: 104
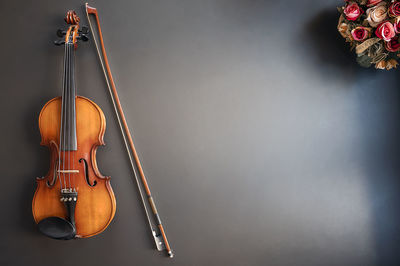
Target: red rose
x: 394, y: 9
x: 352, y: 11
x: 359, y: 33
x: 373, y: 2
x: 396, y: 25
x: 393, y: 45
x: 385, y: 31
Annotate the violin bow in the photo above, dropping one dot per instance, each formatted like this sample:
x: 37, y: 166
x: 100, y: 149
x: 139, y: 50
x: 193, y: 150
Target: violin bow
x: 159, y: 237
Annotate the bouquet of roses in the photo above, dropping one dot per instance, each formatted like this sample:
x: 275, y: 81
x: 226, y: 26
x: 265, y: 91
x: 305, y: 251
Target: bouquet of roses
x: 372, y: 27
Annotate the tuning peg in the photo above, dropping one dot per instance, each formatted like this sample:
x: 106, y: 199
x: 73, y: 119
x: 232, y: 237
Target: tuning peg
x: 61, y: 33
x: 83, y: 37
x: 84, y: 30
x: 59, y: 42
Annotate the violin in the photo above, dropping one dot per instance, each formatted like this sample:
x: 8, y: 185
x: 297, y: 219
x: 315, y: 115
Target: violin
x: 73, y: 200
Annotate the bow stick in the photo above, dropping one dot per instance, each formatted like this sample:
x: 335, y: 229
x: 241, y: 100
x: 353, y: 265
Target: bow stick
x: 161, y: 243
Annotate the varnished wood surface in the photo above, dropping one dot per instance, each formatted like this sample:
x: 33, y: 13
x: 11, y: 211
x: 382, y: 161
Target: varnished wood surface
x: 96, y: 205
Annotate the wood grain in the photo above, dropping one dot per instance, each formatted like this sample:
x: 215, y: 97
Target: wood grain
x: 95, y: 207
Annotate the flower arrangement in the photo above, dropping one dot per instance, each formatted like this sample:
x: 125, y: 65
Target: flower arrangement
x: 372, y: 27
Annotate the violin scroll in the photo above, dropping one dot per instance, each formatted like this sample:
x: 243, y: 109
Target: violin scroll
x: 72, y: 18
x: 73, y: 33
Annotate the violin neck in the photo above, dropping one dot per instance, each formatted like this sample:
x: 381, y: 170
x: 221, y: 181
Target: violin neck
x: 68, y: 113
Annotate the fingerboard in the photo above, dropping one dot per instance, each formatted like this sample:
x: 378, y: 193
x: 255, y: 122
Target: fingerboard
x: 68, y: 113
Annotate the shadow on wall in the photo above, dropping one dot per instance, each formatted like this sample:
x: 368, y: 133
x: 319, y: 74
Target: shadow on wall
x: 324, y: 47
x: 378, y: 98
x: 377, y: 95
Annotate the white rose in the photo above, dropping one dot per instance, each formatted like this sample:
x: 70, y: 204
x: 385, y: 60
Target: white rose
x: 377, y: 14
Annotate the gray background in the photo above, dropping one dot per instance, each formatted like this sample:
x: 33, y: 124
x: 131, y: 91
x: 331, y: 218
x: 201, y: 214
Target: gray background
x: 263, y: 141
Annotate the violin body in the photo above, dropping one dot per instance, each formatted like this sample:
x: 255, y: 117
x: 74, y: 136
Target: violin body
x: 95, y: 204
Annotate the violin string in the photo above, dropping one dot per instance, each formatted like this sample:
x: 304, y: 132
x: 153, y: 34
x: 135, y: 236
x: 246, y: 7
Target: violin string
x: 69, y: 121
x: 73, y: 167
x: 67, y: 146
x: 61, y: 120
x: 65, y: 118
x: 74, y: 115
x: 70, y: 116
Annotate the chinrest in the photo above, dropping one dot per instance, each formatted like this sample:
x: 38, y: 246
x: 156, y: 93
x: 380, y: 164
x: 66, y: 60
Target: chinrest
x: 57, y: 228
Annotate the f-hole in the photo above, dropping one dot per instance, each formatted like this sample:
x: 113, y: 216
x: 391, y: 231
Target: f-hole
x: 87, y: 172
x: 55, y: 175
